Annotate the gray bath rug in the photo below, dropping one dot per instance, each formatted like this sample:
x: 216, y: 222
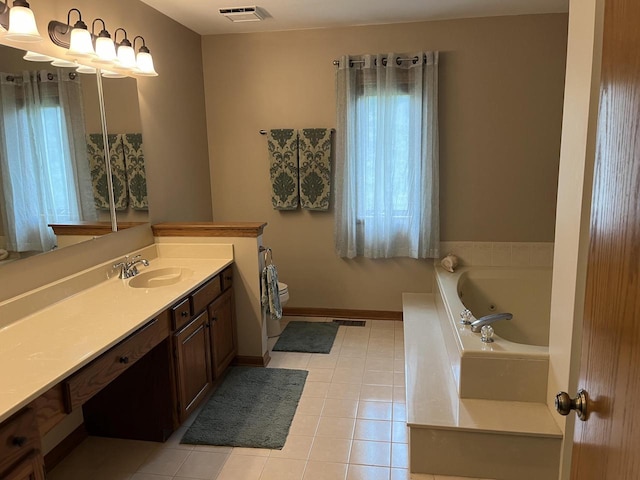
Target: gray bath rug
x: 308, y: 337
x: 253, y: 407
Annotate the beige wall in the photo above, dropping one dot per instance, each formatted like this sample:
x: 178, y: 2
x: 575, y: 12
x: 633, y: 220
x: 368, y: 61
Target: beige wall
x: 574, y: 204
x: 501, y: 90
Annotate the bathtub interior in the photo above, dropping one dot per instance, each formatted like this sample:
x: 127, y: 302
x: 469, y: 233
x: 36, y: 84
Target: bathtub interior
x: 503, y: 370
x: 526, y: 295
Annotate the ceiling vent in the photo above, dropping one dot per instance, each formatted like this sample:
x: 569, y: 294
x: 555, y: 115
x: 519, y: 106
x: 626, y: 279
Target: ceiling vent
x: 242, y: 14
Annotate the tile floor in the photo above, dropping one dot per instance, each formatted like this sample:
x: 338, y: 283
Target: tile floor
x: 349, y: 425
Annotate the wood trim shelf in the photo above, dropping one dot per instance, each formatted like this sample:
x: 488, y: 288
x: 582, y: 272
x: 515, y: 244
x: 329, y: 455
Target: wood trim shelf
x: 89, y: 228
x: 209, y: 229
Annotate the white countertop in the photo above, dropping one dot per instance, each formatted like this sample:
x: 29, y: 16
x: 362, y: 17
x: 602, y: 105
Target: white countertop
x: 41, y: 349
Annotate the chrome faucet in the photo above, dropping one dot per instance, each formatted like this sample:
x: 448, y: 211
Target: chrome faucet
x: 488, y: 319
x: 128, y: 268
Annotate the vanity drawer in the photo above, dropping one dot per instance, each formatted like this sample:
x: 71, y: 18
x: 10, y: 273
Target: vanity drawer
x: 181, y: 314
x: 18, y: 437
x: 227, y: 278
x: 84, y: 384
x: 206, y: 294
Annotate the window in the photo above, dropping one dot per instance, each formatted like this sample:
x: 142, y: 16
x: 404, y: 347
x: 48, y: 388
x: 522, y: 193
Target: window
x: 387, y: 157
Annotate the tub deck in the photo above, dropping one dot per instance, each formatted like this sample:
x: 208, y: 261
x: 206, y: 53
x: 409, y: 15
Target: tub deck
x: 468, y: 436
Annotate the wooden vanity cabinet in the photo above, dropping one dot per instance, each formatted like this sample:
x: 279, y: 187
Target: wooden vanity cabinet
x: 224, y: 342
x: 20, y: 457
x: 193, y: 364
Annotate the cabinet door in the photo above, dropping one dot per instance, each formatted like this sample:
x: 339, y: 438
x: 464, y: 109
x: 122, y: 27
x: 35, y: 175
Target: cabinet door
x: 31, y: 468
x: 193, y: 364
x: 224, y: 342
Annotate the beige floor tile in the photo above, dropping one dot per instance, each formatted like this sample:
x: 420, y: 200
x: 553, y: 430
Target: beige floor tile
x: 337, y: 427
x: 213, y: 448
x: 399, y: 432
x: 347, y: 375
x: 61, y: 473
x: 340, y: 407
x: 364, y: 452
x: 426, y: 476
x: 399, y: 394
x: 351, y: 363
x: 315, y: 389
x: 174, y: 440
x: 367, y: 472
x: 242, y: 467
x: 375, y: 410
x: 150, y: 476
x: 359, y: 351
x: 283, y: 469
x: 373, y: 430
x: 323, y: 361
x: 380, y: 364
x: 376, y: 393
x: 305, y: 425
x: 398, y: 379
x: 325, y: 471
x: 400, y: 474
x: 252, y: 452
x: 347, y: 391
x: 310, y: 406
x: 399, y: 455
x: 377, y: 351
x: 296, y: 447
x: 398, y: 365
x: 205, y: 465
x: 127, y: 456
x: 330, y: 449
x: 320, y: 374
x: 399, y: 412
x: 166, y: 461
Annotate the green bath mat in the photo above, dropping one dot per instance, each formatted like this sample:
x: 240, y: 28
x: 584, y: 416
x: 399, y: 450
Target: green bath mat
x: 311, y: 337
x: 253, y: 407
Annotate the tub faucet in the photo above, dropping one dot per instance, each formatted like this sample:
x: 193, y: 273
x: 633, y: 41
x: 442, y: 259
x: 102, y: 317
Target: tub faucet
x: 128, y: 268
x: 488, y: 319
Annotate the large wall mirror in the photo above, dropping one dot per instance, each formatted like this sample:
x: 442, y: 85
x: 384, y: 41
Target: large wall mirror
x: 52, y: 167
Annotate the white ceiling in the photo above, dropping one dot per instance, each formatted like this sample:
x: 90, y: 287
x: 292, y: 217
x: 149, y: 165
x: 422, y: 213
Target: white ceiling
x: 202, y: 16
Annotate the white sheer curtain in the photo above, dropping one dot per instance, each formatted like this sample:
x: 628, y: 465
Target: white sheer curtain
x: 43, y: 161
x: 387, y: 156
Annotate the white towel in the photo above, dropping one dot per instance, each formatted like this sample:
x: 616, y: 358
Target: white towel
x: 270, y: 293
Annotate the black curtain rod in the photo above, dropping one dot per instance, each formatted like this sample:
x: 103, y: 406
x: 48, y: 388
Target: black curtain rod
x: 384, y: 60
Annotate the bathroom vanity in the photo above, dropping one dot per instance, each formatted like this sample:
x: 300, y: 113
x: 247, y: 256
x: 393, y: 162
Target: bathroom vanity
x: 137, y: 359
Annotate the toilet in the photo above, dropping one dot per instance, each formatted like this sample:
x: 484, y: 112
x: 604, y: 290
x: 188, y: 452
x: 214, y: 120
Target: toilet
x: 273, y: 326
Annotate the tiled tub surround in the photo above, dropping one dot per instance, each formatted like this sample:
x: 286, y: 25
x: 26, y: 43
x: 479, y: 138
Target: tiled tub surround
x: 500, y: 254
x: 49, y: 333
x: 502, y: 370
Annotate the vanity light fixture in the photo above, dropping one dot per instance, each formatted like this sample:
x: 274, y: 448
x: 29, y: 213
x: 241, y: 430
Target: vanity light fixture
x: 86, y: 69
x: 126, y: 53
x: 144, y: 60
x: 59, y: 62
x: 37, y: 57
x: 110, y: 74
x: 19, y: 22
x: 105, y: 48
x: 80, y: 44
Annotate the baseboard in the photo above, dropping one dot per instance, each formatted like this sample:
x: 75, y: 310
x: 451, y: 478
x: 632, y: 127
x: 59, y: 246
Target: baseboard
x: 65, y: 447
x: 252, y: 361
x: 342, y: 313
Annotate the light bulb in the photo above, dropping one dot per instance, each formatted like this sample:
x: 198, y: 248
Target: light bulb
x: 80, y: 44
x: 22, y: 24
x: 105, y: 51
x: 127, y: 57
x: 145, y: 64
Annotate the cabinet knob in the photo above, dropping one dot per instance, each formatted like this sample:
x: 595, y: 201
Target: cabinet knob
x: 229, y: 277
x: 124, y: 360
x: 213, y: 319
x: 19, y: 441
x: 184, y: 314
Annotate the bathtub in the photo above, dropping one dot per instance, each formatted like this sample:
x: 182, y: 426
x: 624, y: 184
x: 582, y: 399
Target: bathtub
x: 515, y: 366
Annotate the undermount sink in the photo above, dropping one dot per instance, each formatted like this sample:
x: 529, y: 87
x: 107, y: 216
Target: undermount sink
x: 160, y: 277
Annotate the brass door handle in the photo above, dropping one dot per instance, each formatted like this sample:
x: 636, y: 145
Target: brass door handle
x: 564, y: 404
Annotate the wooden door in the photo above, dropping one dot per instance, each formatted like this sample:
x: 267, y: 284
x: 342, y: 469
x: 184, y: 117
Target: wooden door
x: 193, y: 364
x: 224, y: 344
x: 607, y: 445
